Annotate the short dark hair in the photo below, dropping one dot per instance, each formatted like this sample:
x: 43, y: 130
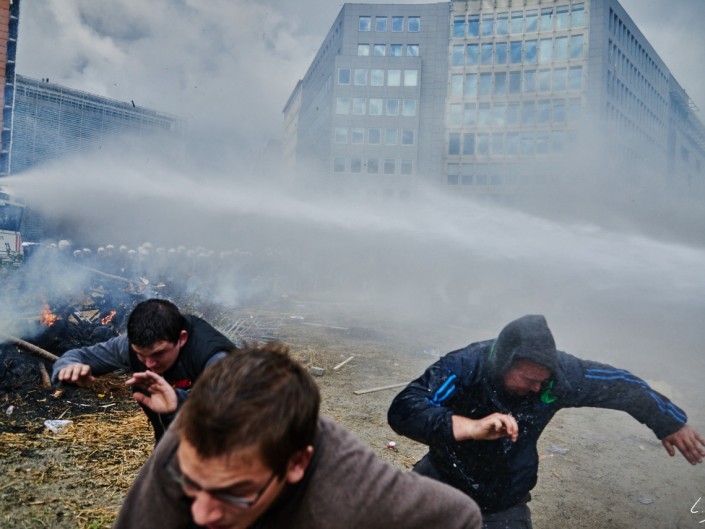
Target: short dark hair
x: 154, y: 320
x: 257, y: 396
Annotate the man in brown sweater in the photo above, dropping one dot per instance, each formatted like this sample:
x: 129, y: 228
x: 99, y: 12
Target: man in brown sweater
x: 250, y: 450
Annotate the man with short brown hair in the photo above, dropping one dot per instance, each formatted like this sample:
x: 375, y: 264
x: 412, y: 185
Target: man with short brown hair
x: 250, y: 450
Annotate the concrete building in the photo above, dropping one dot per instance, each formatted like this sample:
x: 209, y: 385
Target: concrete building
x: 489, y: 97
x: 9, y: 25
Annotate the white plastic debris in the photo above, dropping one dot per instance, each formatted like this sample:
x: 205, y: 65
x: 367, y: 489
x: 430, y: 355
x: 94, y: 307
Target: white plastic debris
x: 9, y: 410
x: 645, y: 500
x: 56, y: 425
x: 392, y: 445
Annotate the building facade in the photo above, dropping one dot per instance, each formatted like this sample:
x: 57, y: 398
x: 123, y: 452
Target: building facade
x: 490, y: 97
x: 9, y: 26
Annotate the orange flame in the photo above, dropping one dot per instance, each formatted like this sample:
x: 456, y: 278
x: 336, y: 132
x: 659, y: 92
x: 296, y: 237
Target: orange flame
x: 108, y: 318
x: 47, y: 318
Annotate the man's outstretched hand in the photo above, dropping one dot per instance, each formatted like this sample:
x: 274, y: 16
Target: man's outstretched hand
x: 688, y: 442
x: 161, y: 397
x: 488, y: 428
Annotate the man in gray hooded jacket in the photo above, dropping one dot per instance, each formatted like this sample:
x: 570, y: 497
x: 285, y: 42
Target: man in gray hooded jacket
x: 481, y: 410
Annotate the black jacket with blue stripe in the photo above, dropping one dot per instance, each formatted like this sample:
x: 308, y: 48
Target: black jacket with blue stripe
x: 467, y: 382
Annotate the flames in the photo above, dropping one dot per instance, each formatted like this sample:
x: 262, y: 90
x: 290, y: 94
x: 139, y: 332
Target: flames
x: 47, y: 317
x: 108, y: 318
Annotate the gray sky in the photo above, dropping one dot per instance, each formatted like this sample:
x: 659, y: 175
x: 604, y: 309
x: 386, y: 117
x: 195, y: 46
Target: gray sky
x: 229, y: 66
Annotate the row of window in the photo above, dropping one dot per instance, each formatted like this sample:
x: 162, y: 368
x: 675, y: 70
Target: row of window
x: 396, y: 24
x: 361, y: 106
x: 518, y: 22
x: 628, y: 100
x: 389, y: 166
x: 529, y: 51
x: 500, y: 114
x: 516, y: 82
x: 468, y: 179
x: 507, y: 144
x: 376, y: 77
x: 375, y: 136
x: 380, y: 50
x: 622, y: 66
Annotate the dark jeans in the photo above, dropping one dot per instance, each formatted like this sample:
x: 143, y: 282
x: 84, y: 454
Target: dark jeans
x: 516, y: 517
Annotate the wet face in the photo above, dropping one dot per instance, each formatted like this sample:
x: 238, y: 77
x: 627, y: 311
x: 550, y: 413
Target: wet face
x: 525, y: 378
x: 233, y: 491
x: 161, y: 355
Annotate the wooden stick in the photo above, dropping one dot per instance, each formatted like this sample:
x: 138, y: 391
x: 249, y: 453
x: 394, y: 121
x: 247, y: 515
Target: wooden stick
x: 31, y: 348
x: 381, y: 388
x: 341, y: 364
x: 46, y: 381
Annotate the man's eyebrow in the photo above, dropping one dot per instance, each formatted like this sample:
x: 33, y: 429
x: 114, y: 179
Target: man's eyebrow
x: 226, y: 488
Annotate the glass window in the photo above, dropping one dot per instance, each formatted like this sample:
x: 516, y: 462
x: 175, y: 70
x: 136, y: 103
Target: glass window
x: 339, y: 165
x: 474, y: 25
x: 414, y: 24
x: 481, y: 179
x: 357, y: 136
x: 397, y: 24
x: 545, y: 81
x: 375, y: 107
x: 471, y: 85
x: 498, y: 143
x: 500, y: 83
x: 485, y: 84
x: 373, y: 166
x: 453, y: 179
x: 356, y: 165
x: 528, y: 112
x: 454, y: 143
x: 409, y: 107
x: 412, y: 50
x: 486, y: 54
x: 532, y: 21
x: 468, y: 144
x: 364, y: 24
x: 503, y: 24
x: 395, y: 50
x: 578, y: 18
x: 377, y: 77
x: 472, y: 56
x: 381, y: 24
x: 360, y: 76
x: 380, y: 50
x: 529, y: 81
x: 483, y: 116
x: 406, y: 167
x: 411, y: 77
x: 546, y: 50
x: 457, y: 55
x: 517, y: 26
x: 374, y: 136
x: 359, y: 106
x: 343, y: 75
x: 487, y: 25
x: 561, y: 51
x: 547, y: 19
x: 363, y: 50
x: 542, y: 143
x: 455, y: 116
x: 559, y: 111
x: 483, y: 144
x: 513, y: 113
x: 498, y: 112
x: 530, y: 51
x: 512, y: 143
x: 575, y: 78
x: 557, y: 140
x: 514, y: 82
x: 341, y: 135
x: 459, y: 26
x: 527, y: 144
x: 515, y: 52
x: 393, y: 77
x: 500, y: 53
x: 392, y: 107
x: 407, y: 137
x: 559, y: 79
x: 456, y: 85
x: 562, y: 17
x: 576, y: 47
x: 470, y: 117
x: 390, y: 166
x: 544, y: 111
x: 342, y: 105
x: 390, y: 136
x: 574, y: 109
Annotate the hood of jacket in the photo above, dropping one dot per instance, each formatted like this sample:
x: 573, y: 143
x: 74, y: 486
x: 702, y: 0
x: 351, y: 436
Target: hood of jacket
x: 527, y: 338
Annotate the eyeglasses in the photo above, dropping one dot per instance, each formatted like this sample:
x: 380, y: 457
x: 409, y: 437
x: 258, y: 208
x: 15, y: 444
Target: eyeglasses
x: 191, y: 488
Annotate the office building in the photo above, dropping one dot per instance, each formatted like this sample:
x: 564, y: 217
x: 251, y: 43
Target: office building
x: 489, y: 97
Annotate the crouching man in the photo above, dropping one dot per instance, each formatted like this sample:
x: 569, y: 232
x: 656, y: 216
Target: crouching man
x: 249, y: 449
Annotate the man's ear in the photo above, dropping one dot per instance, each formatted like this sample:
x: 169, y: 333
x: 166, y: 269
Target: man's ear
x: 298, y: 464
x: 183, y: 338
